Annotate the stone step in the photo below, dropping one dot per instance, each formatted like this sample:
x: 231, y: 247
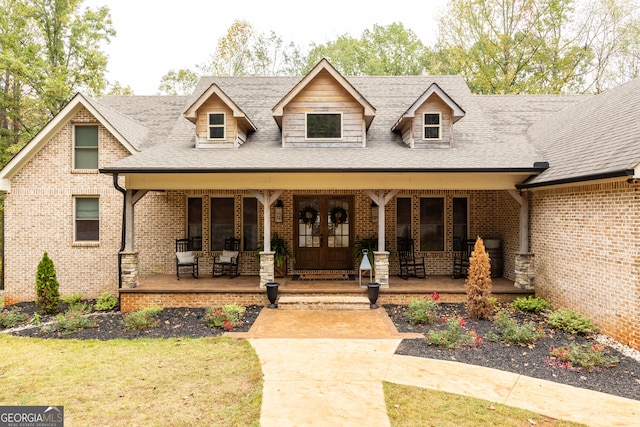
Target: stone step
x: 323, y: 302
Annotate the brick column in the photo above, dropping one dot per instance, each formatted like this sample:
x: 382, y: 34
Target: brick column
x: 381, y: 261
x: 129, y: 269
x: 525, y: 270
x: 267, y: 266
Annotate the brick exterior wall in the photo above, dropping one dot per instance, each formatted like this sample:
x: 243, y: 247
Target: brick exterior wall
x: 39, y: 217
x: 587, y: 255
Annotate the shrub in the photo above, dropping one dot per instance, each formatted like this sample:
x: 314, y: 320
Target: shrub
x: 423, y: 310
x: 570, y: 321
x: 105, y: 302
x: 454, y: 335
x: 47, y: 296
x: 144, y: 318
x: 512, y: 332
x: 226, y: 317
x: 11, y: 317
x: 478, y: 283
x: 74, y: 319
x: 587, y: 356
x: 530, y: 304
x: 72, y: 299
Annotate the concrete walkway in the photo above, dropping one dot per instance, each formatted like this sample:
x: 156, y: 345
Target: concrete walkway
x: 326, y: 368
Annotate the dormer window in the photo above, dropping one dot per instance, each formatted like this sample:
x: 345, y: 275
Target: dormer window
x: 432, y: 123
x: 216, y: 126
x: 323, y: 126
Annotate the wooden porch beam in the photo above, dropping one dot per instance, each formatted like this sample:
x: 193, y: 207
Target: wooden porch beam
x: 137, y: 195
x: 267, y: 200
x: 381, y: 200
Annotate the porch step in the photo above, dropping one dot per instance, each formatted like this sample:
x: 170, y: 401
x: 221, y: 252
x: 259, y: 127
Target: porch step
x: 323, y: 302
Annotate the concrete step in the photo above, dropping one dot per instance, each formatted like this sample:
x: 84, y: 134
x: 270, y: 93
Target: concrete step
x: 323, y: 302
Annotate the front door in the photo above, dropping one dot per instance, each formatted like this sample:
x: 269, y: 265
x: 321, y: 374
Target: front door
x: 323, y: 232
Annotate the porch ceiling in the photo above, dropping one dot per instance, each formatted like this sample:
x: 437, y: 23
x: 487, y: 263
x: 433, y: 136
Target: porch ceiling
x: 489, y: 180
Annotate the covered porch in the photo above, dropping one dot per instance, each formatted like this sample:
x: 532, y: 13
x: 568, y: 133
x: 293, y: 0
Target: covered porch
x: 166, y: 291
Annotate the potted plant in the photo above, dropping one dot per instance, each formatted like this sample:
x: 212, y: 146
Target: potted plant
x: 368, y: 243
x: 280, y: 256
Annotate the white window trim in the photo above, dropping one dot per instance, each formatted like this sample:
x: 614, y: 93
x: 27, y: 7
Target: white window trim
x: 306, y: 114
x: 75, y: 219
x: 75, y: 148
x: 223, y: 126
x: 425, y: 126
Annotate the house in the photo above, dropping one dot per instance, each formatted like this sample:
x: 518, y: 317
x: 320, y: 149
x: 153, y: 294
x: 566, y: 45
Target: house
x: 324, y: 161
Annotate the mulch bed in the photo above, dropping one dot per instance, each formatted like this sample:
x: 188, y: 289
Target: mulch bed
x: 531, y: 360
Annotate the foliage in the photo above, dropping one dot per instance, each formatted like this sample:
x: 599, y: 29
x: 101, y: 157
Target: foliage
x: 144, y: 318
x: 478, y: 283
x: 280, y: 249
x: 11, y: 317
x: 226, y: 317
x: 74, y: 319
x: 105, y: 302
x: 571, y: 321
x: 72, y: 299
x: 47, y: 295
x: 454, y: 335
x: 588, y: 356
x: 530, y: 304
x: 509, y: 330
x: 423, y: 310
x: 370, y: 244
x: 181, y: 82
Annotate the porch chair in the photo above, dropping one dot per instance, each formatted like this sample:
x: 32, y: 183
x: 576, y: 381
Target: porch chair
x: 186, y: 260
x: 227, y: 262
x: 410, y: 265
x: 461, y: 259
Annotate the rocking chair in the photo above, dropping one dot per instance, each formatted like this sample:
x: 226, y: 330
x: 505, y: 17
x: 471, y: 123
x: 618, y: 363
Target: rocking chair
x: 227, y: 262
x: 186, y: 260
x: 410, y: 265
x: 461, y: 259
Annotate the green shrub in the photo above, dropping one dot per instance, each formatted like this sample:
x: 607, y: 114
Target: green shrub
x: 72, y: 299
x: 74, y: 319
x: 145, y: 318
x: 587, y: 356
x: 105, y: 302
x: 423, y: 310
x: 570, y: 321
x: 226, y: 317
x: 47, y: 296
x: 454, y: 335
x: 11, y: 317
x: 512, y: 332
x: 530, y: 304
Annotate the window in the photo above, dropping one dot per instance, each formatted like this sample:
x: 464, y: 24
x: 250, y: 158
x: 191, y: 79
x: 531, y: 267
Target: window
x: 403, y: 217
x: 222, y: 221
x: 324, y: 125
x: 87, y: 219
x: 249, y: 224
x: 86, y: 147
x: 459, y: 223
x: 194, y: 222
x: 431, y: 126
x: 216, y: 126
x: 432, y: 224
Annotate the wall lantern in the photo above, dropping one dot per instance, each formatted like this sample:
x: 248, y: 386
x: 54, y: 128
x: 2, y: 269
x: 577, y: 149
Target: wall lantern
x: 374, y: 212
x: 277, y: 211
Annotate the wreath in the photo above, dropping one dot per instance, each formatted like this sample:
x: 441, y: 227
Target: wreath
x: 338, y: 215
x: 308, y: 215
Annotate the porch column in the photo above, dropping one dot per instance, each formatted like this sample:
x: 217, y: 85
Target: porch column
x: 523, y: 201
x: 128, y: 257
x: 381, y: 261
x: 381, y: 256
x: 525, y: 270
x: 129, y: 269
x: 267, y: 265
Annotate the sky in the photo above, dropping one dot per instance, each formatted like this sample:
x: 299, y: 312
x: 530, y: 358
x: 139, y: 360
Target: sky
x: 152, y: 38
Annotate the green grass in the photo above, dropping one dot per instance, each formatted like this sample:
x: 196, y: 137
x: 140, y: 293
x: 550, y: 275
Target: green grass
x: 211, y: 381
x: 413, y: 406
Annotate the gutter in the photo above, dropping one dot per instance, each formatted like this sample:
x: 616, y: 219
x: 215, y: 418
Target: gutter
x: 124, y: 231
x: 578, y: 179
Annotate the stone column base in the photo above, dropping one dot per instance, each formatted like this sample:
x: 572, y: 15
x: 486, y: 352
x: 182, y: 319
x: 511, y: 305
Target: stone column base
x: 381, y: 261
x: 267, y: 268
x: 525, y: 270
x: 129, y: 269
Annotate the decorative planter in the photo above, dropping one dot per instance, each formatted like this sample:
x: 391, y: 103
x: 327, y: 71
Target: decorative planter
x: 373, y: 290
x: 272, y: 294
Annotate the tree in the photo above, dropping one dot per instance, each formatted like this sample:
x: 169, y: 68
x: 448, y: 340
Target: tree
x: 384, y: 50
x: 181, y: 82
x: 117, y: 89
x: 478, y: 283
x: 47, y: 295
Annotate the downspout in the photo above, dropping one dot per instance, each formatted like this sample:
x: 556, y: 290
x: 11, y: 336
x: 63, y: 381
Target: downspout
x: 124, y: 230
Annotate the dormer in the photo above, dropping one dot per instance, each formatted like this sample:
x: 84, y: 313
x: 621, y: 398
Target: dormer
x: 428, y: 123
x: 323, y: 110
x: 220, y: 123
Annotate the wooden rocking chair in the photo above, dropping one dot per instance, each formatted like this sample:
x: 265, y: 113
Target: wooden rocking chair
x: 227, y: 262
x: 461, y: 259
x: 186, y: 260
x: 410, y: 265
